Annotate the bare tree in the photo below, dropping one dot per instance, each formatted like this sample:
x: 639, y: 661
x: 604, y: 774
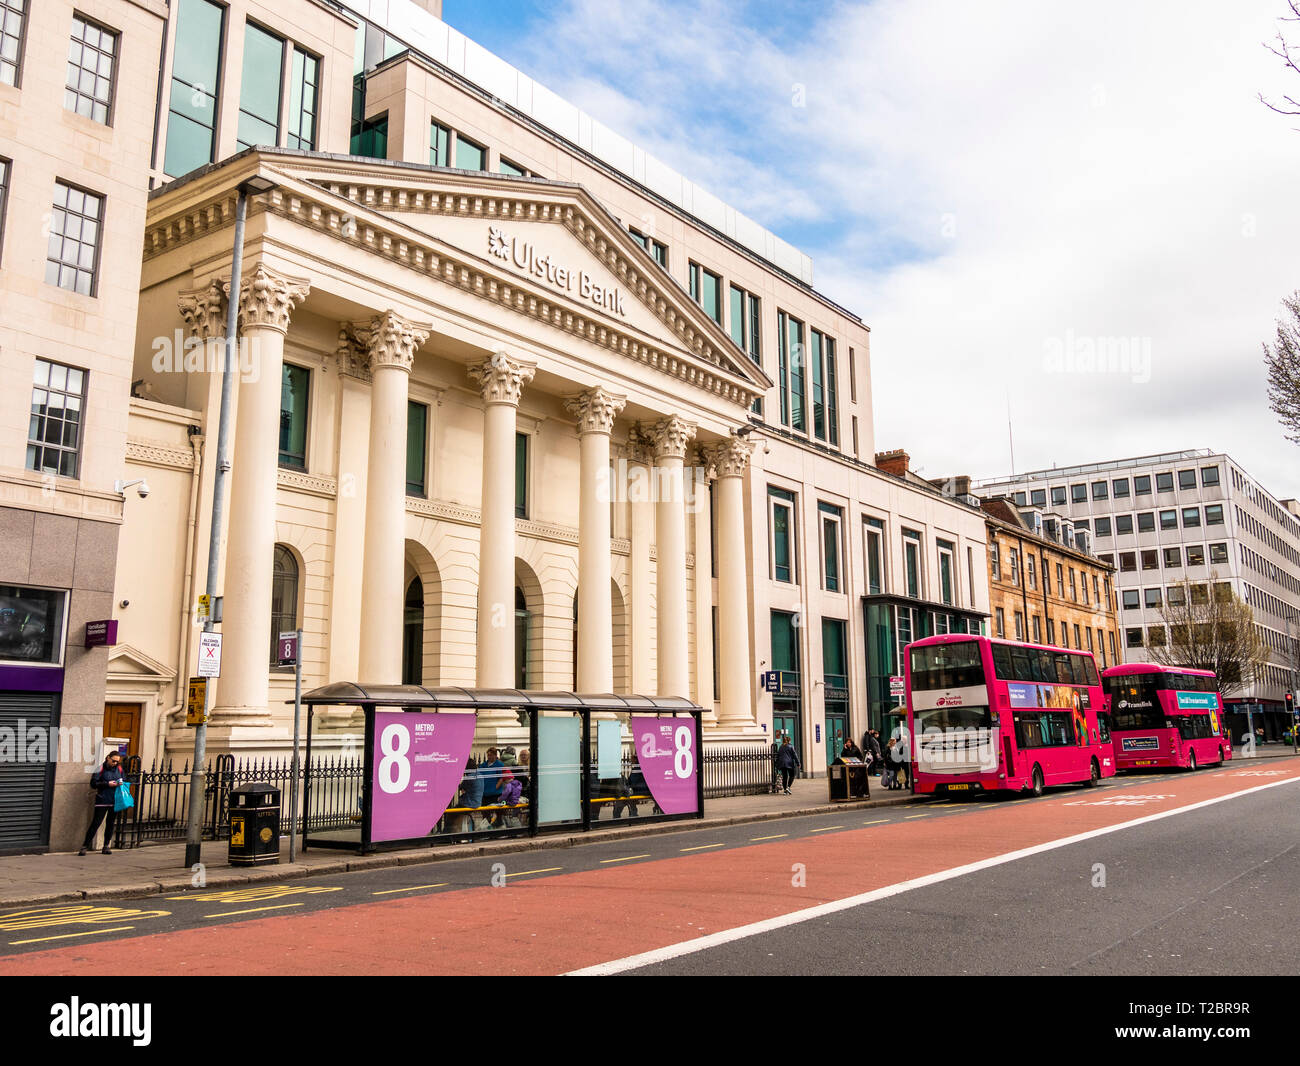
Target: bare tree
x: 1290, y: 56
x: 1210, y: 627
x: 1283, y: 364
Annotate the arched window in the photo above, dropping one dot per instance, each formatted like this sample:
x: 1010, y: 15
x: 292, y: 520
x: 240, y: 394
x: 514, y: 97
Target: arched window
x: 284, y: 597
x: 413, y: 634
x: 521, y: 639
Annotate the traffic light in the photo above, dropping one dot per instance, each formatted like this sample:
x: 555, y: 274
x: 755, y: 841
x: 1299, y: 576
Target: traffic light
x: 1290, y: 703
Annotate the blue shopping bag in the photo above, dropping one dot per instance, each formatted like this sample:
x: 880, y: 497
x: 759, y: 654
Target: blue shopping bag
x: 123, y: 799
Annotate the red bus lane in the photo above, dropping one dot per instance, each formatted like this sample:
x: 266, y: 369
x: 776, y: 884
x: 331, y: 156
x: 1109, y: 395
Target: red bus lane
x: 554, y: 924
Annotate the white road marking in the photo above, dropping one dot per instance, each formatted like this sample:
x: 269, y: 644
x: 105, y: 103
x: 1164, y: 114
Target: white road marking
x: 808, y: 914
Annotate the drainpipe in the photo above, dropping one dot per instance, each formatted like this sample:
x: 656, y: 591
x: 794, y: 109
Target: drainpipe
x: 1024, y: 586
x: 186, y: 638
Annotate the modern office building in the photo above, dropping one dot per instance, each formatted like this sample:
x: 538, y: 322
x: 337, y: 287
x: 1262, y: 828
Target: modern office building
x: 518, y: 405
x: 1191, y: 515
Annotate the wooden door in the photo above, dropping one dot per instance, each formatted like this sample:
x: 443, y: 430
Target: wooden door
x: 123, y: 720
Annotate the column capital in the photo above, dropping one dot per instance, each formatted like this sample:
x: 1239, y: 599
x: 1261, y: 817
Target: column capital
x: 501, y: 379
x: 595, y: 410
x: 387, y: 339
x: 728, y: 458
x: 669, y: 436
x: 269, y: 299
x: 204, y: 310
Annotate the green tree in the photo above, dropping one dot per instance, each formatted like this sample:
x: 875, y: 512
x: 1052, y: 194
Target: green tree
x: 1282, y: 361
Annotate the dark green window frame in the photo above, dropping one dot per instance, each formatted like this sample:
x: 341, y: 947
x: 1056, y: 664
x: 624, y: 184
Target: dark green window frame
x: 521, y: 475
x: 514, y: 170
x: 706, y: 290
x: 417, y: 435
x: 260, y: 97
x: 439, y: 145
x: 295, y: 403
x: 657, y: 249
x: 304, y: 100
x: 874, y: 535
x: 470, y: 155
x: 832, y: 523
x: 192, y: 98
x: 781, y: 507
x: 745, y: 320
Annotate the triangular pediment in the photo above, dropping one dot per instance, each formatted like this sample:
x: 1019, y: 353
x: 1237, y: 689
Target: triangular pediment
x: 125, y: 661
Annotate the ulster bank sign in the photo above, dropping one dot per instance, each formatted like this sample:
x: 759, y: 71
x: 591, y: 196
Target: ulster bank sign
x: 523, y: 255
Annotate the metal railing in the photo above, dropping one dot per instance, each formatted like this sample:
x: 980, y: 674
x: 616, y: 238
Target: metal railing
x: 739, y: 770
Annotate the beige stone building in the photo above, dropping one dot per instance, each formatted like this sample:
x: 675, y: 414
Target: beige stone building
x: 519, y: 406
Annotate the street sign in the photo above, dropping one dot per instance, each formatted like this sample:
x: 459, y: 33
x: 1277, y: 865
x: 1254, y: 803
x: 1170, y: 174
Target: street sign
x: 209, y: 655
x: 288, y: 648
x: 101, y: 634
x: 771, y: 681
x: 896, y: 686
x: 197, y: 702
x: 205, y: 605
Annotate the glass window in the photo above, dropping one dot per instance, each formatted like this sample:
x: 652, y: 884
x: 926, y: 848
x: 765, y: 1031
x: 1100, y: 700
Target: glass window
x: 831, y: 518
x: 912, y: 562
x: 1019, y: 499
x: 304, y: 100
x: 1000, y: 621
x: 1058, y: 496
x: 1214, y: 514
x: 4, y: 198
x: 1177, y: 596
x: 1156, y: 637
x: 744, y: 319
x: 470, y: 156
x: 284, y: 597
x: 54, y: 430
x: 370, y: 137
x: 1151, y: 559
x: 1196, y: 555
x: 1173, y: 558
x: 1191, y: 517
x: 1120, y: 487
x: 782, y: 511
x: 1127, y: 562
x: 521, y: 475
x: 1038, y: 497
x: 1131, y: 599
x: 1133, y: 638
x: 995, y: 561
x: 417, y: 425
x: 946, y: 552
x: 1123, y: 524
x: 790, y: 370
x: 657, y: 249
x: 1168, y: 519
x: 294, y: 397
x: 1165, y: 482
x: 874, y: 530
x: 1187, y: 479
x: 72, y: 256
x: 1218, y: 553
x: 1079, y: 493
x: 259, y: 92
x: 92, y: 56
x: 1103, y: 527
x: 31, y: 623
x: 1100, y: 490
x: 1152, y: 598
x: 1147, y: 522
x: 439, y: 145
x: 1142, y: 485
x: 1209, y: 475
x: 706, y: 290
x: 1036, y: 626
x: 12, y: 17
x: 513, y: 169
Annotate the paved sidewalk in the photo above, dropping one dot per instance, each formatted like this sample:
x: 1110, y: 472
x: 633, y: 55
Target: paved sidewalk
x: 35, y: 880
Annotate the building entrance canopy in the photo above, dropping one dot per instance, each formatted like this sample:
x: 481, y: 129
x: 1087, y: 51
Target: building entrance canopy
x: 443, y: 765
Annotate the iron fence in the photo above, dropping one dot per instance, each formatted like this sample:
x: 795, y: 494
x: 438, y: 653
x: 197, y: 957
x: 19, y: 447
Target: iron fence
x: 747, y: 770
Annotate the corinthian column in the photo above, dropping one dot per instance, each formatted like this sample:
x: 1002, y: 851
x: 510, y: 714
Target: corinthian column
x: 390, y: 342
x: 266, y: 302
x: 501, y: 381
x: 730, y: 460
x: 669, y: 439
x: 595, y: 411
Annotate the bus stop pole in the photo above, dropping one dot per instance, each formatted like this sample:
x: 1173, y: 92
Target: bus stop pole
x: 297, y: 727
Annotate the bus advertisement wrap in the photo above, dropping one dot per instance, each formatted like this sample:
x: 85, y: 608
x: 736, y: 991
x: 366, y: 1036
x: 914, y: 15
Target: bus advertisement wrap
x: 1198, y: 701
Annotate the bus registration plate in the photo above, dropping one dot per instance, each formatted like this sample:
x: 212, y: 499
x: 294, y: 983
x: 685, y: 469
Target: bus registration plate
x: 965, y: 787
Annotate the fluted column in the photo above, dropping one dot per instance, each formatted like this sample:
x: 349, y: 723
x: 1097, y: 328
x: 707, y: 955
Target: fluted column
x: 595, y: 411
x: 266, y: 303
x: 730, y: 460
x: 670, y: 437
x: 390, y: 343
x: 703, y: 598
x: 501, y: 381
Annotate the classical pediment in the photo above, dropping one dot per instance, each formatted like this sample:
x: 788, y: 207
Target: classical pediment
x: 126, y: 662
x: 544, y: 249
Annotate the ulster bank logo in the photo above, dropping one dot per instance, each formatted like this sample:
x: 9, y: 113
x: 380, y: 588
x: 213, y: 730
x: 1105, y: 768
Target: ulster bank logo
x: 524, y: 256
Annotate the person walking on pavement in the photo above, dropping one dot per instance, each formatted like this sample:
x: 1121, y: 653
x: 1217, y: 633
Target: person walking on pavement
x: 106, y: 781
x: 787, y: 761
x: 871, y: 745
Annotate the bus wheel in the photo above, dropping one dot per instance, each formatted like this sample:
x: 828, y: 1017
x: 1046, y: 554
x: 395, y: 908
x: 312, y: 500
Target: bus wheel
x: 1037, y: 787
x: 1095, y: 779
x: 1191, y: 762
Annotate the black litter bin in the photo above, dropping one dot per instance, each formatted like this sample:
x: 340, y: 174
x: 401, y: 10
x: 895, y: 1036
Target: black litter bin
x: 848, y: 779
x: 254, y: 825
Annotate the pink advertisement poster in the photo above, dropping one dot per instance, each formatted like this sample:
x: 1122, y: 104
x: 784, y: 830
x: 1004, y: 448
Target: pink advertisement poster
x: 419, y: 761
x: 667, y: 751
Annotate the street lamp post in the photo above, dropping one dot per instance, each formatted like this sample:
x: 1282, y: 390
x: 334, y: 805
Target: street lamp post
x: 251, y: 187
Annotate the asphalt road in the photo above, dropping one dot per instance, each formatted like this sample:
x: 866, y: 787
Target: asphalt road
x: 1199, y: 891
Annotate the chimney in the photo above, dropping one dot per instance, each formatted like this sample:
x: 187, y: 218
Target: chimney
x: 895, y: 462
x: 952, y: 486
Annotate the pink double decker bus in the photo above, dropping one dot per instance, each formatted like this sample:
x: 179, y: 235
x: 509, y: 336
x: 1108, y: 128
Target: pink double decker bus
x: 1165, y: 716
x: 992, y: 715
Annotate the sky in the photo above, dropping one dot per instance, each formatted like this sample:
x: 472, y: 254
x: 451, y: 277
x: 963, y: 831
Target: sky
x: 1079, y: 219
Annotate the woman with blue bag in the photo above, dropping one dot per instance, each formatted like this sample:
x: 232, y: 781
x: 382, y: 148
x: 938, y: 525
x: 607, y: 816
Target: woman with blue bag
x: 112, y: 794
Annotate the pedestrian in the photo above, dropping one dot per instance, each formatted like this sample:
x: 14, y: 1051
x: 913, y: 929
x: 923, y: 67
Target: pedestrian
x: 787, y: 761
x: 105, y: 781
x: 889, y: 766
x: 871, y: 745
x: 851, y: 751
x: 902, y: 768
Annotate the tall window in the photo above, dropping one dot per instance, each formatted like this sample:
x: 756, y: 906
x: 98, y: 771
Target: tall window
x: 439, y: 145
x: 791, y: 359
x: 259, y: 92
x: 294, y: 396
x: 521, y: 475
x: 1000, y: 621
x: 196, y: 73
x: 54, y: 430
x: 304, y: 100
x: 946, y: 576
x: 832, y: 519
x: 873, y: 531
x: 417, y: 427
x: 73, y: 251
x: 4, y: 199
x: 821, y: 362
x: 781, y: 514
x: 745, y: 330
x: 12, y: 16
x: 284, y: 597
x: 370, y: 137
x: 91, y: 58
x: 912, y: 562
x: 470, y: 156
x: 706, y: 290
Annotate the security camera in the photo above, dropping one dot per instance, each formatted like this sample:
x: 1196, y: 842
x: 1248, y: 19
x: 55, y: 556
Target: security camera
x: 143, y: 490
x: 141, y: 487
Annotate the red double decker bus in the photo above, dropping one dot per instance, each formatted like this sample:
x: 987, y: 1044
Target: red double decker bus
x: 990, y: 715
x: 1165, y: 716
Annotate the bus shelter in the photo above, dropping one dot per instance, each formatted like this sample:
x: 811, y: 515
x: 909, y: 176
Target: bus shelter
x: 446, y: 765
